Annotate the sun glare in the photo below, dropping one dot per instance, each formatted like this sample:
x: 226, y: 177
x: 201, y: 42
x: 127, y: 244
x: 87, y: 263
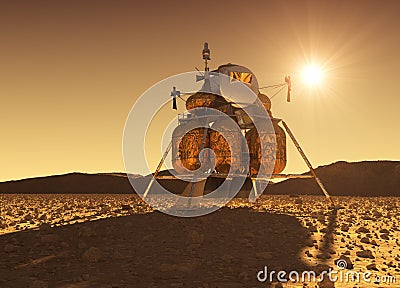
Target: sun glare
x: 312, y: 75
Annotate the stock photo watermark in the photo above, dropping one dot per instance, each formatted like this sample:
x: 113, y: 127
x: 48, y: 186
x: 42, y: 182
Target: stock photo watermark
x: 341, y: 275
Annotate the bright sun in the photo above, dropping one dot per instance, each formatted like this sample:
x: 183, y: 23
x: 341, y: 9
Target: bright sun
x: 312, y: 75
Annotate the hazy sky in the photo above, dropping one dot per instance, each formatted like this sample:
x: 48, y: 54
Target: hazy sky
x: 71, y: 70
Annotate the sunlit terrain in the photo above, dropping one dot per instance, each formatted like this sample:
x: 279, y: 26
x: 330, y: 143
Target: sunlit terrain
x: 73, y: 240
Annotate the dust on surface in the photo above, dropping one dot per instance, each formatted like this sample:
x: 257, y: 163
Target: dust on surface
x: 118, y: 241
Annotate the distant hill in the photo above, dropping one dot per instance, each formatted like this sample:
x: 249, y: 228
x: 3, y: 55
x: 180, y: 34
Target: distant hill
x: 78, y: 183
x: 367, y: 178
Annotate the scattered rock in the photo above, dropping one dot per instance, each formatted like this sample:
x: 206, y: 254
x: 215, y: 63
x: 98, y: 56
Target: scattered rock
x: 312, y: 228
x: 362, y: 230
x: 28, y: 217
x: 365, y: 254
x: 372, y: 267
x: 126, y: 207
x: 309, y: 243
x: 344, y: 259
x: 365, y: 240
x: 385, y: 236
x: 324, y: 255
x: 376, y: 213
x: 93, y: 254
x: 298, y: 201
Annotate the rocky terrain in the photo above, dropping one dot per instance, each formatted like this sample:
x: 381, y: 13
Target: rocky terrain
x: 118, y: 241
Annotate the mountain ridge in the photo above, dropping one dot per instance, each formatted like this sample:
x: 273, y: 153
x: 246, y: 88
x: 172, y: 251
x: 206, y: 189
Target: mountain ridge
x: 341, y: 178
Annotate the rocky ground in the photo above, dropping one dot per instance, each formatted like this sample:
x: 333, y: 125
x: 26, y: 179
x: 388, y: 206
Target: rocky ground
x: 118, y: 241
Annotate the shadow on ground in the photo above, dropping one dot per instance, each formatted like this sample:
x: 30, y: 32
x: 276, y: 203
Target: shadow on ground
x: 223, y: 249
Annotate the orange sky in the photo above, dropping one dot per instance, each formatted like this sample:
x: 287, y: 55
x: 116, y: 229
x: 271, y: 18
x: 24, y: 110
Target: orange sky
x: 71, y: 70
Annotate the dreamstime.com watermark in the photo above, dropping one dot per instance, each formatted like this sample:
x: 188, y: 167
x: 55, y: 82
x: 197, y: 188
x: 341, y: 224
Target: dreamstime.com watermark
x: 340, y: 276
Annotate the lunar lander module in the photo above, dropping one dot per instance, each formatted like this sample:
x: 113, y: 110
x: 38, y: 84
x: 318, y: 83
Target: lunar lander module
x: 198, y: 132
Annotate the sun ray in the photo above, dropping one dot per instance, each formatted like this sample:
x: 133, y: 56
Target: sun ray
x: 312, y: 75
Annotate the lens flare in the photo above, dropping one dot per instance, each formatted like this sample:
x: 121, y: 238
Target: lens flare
x: 312, y: 75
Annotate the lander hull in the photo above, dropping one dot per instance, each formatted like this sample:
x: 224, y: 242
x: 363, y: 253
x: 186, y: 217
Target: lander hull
x: 227, y: 143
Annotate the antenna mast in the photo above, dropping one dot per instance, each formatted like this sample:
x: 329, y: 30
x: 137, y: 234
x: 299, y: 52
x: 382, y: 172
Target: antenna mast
x: 206, y: 56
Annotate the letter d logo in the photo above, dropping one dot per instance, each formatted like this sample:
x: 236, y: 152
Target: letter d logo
x: 260, y: 276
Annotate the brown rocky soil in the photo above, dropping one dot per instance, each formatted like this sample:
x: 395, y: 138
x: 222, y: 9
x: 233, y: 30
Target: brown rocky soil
x: 117, y: 241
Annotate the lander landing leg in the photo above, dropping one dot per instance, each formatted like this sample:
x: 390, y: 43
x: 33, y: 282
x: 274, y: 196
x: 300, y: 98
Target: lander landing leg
x: 313, y: 173
x: 157, y: 170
